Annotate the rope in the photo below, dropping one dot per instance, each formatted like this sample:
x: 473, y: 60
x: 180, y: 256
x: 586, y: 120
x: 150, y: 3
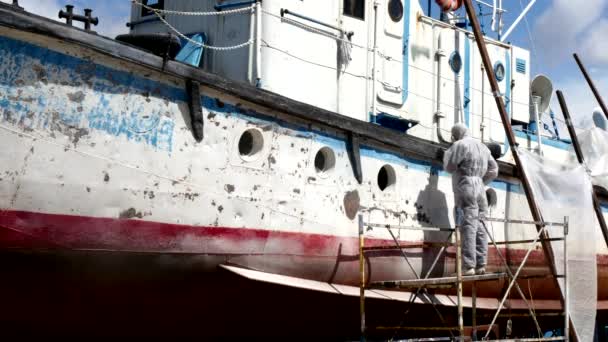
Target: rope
x: 163, y: 11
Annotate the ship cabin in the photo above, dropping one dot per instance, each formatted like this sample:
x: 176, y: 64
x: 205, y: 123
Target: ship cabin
x: 385, y: 61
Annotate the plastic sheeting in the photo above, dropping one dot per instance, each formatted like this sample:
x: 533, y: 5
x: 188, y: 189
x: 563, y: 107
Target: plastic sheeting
x: 564, y: 189
x: 594, y: 144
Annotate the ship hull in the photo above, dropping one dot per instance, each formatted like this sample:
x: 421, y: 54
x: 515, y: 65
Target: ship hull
x: 99, y: 160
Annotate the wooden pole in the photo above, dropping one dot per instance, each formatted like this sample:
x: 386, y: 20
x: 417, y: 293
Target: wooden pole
x: 581, y: 159
x: 536, y: 214
x: 597, y: 95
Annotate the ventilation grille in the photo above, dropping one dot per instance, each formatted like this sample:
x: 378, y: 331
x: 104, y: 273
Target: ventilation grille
x: 520, y: 66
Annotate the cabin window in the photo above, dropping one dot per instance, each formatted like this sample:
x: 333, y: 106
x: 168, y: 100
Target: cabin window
x: 156, y: 4
x: 499, y: 71
x: 355, y: 8
x: 395, y: 10
x: 455, y: 62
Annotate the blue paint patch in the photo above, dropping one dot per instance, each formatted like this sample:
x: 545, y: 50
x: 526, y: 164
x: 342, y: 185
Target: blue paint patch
x: 154, y: 128
x: 406, y: 50
x: 27, y: 64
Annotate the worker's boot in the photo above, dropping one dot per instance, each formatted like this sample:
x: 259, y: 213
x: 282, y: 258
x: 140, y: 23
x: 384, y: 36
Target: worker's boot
x: 469, y: 272
x: 480, y: 271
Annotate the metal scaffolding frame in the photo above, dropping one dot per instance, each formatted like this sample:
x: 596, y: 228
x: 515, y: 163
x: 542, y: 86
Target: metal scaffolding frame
x: 421, y: 284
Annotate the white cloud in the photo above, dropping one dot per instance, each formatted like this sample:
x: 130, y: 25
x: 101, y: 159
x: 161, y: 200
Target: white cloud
x: 567, y: 27
x: 112, y: 20
x: 594, y: 45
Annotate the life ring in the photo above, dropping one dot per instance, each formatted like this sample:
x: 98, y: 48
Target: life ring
x: 449, y: 5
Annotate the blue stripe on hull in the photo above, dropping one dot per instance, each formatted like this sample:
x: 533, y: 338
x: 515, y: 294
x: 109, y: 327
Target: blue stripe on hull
x: 118, y: 78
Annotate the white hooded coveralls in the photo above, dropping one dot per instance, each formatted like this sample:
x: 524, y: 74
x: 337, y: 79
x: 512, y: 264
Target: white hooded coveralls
x: 472, y: 166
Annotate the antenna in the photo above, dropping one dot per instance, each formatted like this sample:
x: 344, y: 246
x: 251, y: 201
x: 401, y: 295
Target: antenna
x: 516, y: 22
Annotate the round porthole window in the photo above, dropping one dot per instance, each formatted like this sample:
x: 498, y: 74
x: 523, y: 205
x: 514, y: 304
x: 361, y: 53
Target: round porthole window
x: 456, y: 62
x: 386, y: 177
x: 499, y: 71
x: 395, y: 10
x: 251, y: 143
x: 325, y: 160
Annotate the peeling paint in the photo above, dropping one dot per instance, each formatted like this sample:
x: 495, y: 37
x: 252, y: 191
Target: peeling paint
x: 130, y: 213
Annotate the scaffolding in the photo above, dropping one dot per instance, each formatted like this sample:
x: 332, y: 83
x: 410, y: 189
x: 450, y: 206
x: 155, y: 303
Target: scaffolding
x: 421, y: 284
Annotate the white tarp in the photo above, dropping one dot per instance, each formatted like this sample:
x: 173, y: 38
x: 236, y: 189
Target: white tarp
x: 594, y: 144
x: 560, y: 190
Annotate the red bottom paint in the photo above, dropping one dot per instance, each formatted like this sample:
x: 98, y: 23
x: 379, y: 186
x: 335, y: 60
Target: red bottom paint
x: 312, y: 256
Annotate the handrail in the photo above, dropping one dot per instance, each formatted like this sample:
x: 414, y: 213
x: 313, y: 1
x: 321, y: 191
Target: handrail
x: 134, y: 23
x: 285, y: 11
x: 219, y: 7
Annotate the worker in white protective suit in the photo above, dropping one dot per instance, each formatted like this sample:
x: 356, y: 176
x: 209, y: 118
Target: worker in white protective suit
x: 472, y: 166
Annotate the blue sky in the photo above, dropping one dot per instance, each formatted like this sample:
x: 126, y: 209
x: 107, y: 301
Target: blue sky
x: 557, y: 28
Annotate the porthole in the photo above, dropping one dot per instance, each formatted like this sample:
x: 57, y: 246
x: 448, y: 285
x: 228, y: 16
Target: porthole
x: 325, y: 160
x: 395, y: 10
x: 499, y: 71
x: 386, y: 178
x: 251, y: 144
x: 456, y: 62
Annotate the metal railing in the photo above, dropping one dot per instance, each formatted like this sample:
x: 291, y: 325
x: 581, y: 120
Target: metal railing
x: 422, y: 283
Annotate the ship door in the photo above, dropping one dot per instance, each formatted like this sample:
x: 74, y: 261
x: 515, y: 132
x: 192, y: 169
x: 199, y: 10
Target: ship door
x: 352, y: 59
x: 393, y: 59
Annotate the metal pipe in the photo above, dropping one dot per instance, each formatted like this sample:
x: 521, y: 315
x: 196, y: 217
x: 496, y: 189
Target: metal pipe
x: 597, y: 95
x: 390, y: 226
x: 566, y: 300
x: 511, y: 276
x: 474, y: 310
x: 440, y: 23
x: 362, y: 273
x: 581, y: 159
x: 482, y: 127
x: 439, y: 53
x: 536, y: 214
x: 535, y: 103
x: 258, y: 43
x: 134, y: 23
x: 284, y: 11
x: 521, y: 266
x: 516, y: 22
x: 374, y: 59
x: 251, y: 46
x: 459, y: 280
x: 219, y: 7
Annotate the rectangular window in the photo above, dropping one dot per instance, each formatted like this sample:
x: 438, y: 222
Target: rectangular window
x: 157, y: 4
x: 355, y: 8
